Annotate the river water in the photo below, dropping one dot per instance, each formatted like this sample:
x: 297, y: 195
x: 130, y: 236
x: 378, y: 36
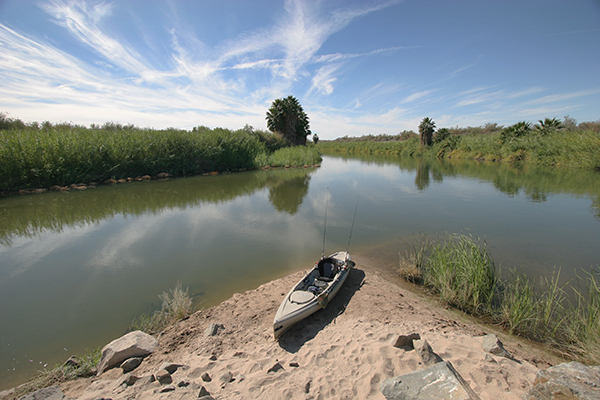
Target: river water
x: 77, y: 267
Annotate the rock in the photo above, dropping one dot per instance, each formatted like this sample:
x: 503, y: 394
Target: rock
x: 571, y: 380
x: 170, y: 367
x: 213, y: 357
x: 227, y: 377
x: 163, y: 175
x: 493, y: 345
x: 203, y: 393
x: 206, y: 377
x: 127, y: 380
x: 49, y: 393
x: 213, y: 329
x: 213, y: 173
x: 165, y: 389
x: 406, y: 341
x: 72, y: 362
x: 109, y: 182
x: 275, y: 368
x: 441, y: 381
x: 163, y: 376
x: 183, y: 383
x: 146, y: 177
x: 130, y: 364
x: 294, y: 364
x: 490, y: 359
x: 134, y: 344
x: 122, y: 180
x: 55, y: 188
x: 428, y: 356
x: 146, y: 380
x: 239, y: 378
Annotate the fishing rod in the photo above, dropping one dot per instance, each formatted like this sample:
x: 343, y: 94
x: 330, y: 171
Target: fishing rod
x: 353, y: 219
x: 325, y: 224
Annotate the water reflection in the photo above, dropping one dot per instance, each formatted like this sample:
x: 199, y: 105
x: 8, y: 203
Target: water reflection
x: 29, y: 216
x: 536, y: 183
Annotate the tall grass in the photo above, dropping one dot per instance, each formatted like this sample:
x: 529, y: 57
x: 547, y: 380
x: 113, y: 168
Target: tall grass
x: 460, y: 271
x: 43, y: 155
x: 559, y: 147
x: 295, y: 156
x: 175, y: 306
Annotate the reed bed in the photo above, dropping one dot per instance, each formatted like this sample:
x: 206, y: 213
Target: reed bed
x: 461, y: 273
x: 40, y: 156
x: 562, y: 147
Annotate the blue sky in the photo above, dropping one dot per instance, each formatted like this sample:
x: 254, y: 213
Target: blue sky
x: 357, y: 67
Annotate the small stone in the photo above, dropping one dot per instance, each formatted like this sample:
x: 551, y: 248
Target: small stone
x: 130, y: 364
x: 406, y: 340
x: 213, y: 329
x: 493, y: 345
x: 428, y: 356
x: 275, y: 368
x: 206, y: 377
x: 183, y: 383
x: 146, y: 177
x: 203, y: 392
x: 165, y: 389
x: 239, y: 378
x: 170, y: 367
x: 72, y: 362
x: 294, y: 364
x: 212, y: 357
x: 163, y: 376
x: 127, y: 380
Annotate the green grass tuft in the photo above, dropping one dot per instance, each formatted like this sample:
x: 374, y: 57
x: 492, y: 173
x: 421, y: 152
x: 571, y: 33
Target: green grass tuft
x: 459, y: 270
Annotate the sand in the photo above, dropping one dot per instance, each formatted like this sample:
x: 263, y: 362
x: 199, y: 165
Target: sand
x: 342, y: 352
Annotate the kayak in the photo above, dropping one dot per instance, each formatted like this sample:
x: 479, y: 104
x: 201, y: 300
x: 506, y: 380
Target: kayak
x: 313, y: 291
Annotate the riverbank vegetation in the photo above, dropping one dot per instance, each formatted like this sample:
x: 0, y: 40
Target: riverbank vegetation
x: 549, y: 143
x: 74, y: 367
x: 175, y: 306
x: 41, y: 155
x: 459, y: 270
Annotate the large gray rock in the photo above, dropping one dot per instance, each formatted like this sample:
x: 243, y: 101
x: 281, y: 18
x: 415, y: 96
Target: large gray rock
x: 49, y: 393
x: 566, y: 381
x: 441, y: 381
x: 134, y: 344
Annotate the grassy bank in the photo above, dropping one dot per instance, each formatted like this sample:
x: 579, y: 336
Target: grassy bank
x: 460, y: 271
x: 33, y: 155
x: 574, y: 147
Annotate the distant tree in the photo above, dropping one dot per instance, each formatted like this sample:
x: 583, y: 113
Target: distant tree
x: 441, y: 135
x: 514, y: 131
x: 287, y: 117
x: 570, y: 123
x: 548, y: 125
x: 315, y: 138
x: 426, y: 128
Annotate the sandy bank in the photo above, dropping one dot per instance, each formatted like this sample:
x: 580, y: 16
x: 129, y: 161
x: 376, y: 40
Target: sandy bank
x: 343, y: 351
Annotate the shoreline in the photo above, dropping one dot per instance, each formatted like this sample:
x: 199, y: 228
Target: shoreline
x: 343, y: 351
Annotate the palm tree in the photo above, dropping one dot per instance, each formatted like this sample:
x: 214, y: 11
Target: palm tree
x: 287, y: 117
x: 426, y: 128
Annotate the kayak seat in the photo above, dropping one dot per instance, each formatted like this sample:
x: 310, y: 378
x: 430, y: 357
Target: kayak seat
x: 328, y: 268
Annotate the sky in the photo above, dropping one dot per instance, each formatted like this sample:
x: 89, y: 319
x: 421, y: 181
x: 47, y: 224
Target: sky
x: 356, y: 67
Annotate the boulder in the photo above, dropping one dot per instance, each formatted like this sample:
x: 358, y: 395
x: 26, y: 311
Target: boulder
x: 49, y: 393
x: 163, y: 377
x: 163, y: 175
x: 493, y: 345
x: 571, y: 380
x: 441, y: 381
x: 134, y: 344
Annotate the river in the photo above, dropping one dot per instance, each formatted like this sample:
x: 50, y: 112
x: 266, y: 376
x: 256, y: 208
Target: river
x: 77, y: 267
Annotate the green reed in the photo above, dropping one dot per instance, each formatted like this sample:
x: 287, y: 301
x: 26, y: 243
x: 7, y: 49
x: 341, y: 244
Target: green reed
x: 459, y: 270
x: 41, y: 156
x: 561, y: 147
